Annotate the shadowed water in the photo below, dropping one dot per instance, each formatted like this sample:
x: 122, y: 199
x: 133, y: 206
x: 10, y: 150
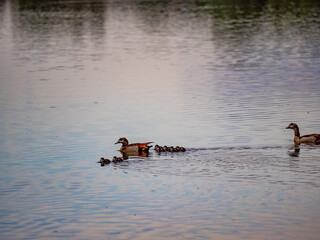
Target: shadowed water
x: 221, y: 78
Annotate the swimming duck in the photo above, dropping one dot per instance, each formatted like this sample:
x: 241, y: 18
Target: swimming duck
x: 170, y: 149
x: 162, y: 149
x: 311, y: 138
x: 133, y: 147
x: 117, y: 159
x: 157, y: 148
x: 104, y: 161
x: 165, y: 148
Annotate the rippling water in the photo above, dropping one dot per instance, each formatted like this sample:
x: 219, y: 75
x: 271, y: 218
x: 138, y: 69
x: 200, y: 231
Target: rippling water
x: 222, y: 78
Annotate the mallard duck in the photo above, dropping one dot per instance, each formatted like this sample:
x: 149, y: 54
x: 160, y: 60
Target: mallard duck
x: 311, y: 138
x: 133, y: 147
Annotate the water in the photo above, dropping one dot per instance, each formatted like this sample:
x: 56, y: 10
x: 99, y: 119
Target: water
x: 221, y: 78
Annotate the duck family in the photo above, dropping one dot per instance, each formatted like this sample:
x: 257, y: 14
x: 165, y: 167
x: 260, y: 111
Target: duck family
x: 142, y: 149
x: 309, y: 139
x: 137, y: 149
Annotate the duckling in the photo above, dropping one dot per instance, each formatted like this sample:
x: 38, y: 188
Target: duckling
x: 117, y: 159
x: 182, y: 149
x: 311, y: 138
x: 104, y: 161
x: 165, y: 148
x: 170, y: 149
x: 157, y: 148
x: 176, y: 149
x: 133, y: 147
x: 162, y: 149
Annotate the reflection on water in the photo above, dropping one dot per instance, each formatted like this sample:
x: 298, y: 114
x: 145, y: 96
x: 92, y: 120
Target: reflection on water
x: 223, y: 78
x: 295, y: 152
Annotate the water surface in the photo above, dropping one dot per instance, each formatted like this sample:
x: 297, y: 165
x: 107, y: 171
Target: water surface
x: 221, y: 78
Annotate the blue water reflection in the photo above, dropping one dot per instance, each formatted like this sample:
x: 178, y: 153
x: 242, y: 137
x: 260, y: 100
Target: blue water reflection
x: 221, y: 78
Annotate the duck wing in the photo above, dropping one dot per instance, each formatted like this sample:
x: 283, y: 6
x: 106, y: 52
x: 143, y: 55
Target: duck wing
x: 315, y: 135
x: 141, y: 146
x: 312, y: 135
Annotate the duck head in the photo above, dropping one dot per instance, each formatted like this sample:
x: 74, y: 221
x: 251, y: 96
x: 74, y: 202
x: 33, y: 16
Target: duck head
x: 123, y: 140
x: 292, y: 126
x: 295, y: 128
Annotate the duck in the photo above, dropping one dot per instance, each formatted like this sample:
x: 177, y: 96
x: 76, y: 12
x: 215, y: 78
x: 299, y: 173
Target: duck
x: 170, y: 149
x: 157, y: 148
x: 104, y: 161
x: 133, y: 147
x: 165, y: 148
x: 309, y: 139
x: 162, y: 149
x: 117, y: 159
x: 182, y: 149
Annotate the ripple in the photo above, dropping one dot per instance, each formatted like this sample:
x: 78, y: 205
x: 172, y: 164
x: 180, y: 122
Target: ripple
x: 233, y: 163
x: 77, y: 74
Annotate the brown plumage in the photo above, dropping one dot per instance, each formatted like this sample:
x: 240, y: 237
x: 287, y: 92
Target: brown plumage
x: 133, y: 147
x: 310, y: 138
x: 104, y: 161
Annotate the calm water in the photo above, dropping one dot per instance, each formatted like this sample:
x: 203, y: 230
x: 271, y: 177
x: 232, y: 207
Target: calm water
x: 222, y: 78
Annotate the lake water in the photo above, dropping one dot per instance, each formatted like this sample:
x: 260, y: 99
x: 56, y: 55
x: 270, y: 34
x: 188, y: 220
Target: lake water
x: 221, y: 78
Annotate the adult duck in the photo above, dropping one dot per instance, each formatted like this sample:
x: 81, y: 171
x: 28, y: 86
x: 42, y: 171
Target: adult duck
x: 127, y: 148
x: 309, y: 139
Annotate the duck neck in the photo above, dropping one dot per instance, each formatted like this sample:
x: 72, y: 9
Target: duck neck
x: 296, y: 131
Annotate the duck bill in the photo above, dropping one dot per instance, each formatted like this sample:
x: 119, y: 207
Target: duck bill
x: 288, y: 127
x: 117, y: 142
